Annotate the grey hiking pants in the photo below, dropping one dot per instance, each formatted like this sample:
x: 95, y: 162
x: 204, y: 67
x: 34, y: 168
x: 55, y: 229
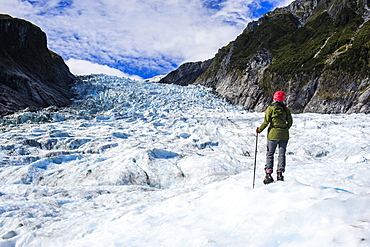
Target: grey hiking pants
x: 271, y: 147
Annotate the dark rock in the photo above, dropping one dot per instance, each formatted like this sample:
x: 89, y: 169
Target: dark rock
x: 187, y: 73
x: 31, y: 76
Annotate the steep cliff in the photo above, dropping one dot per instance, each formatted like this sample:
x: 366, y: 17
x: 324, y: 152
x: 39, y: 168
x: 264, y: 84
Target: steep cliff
x: 187, y: 73
x: 316, y: 51
x: 30, y: 74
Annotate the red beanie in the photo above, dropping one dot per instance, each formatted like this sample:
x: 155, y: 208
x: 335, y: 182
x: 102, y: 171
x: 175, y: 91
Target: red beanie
x: 279, y: 96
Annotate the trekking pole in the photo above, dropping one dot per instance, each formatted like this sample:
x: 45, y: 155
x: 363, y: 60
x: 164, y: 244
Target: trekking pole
x: 255, y: 161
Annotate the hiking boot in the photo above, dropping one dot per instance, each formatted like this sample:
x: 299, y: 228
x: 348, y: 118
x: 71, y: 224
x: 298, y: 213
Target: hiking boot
x: 280, y: 176
x: 268, y: 179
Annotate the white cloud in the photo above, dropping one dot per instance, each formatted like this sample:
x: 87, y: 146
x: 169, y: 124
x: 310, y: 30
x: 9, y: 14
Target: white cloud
x: 82, y: 67
x: 137, y: 35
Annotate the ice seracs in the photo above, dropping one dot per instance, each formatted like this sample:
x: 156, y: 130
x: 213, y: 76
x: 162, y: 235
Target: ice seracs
x: 144, y: 164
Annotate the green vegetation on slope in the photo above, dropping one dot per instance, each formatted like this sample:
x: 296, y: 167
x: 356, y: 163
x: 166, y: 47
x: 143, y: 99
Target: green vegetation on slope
x: 339, y: 43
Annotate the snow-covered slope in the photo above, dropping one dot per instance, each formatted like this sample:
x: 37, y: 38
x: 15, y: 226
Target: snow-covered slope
x: 145, y: 164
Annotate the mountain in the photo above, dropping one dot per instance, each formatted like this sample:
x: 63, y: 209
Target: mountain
x: 316, y: 51
x: 31, y: 76
x: 187, y: 73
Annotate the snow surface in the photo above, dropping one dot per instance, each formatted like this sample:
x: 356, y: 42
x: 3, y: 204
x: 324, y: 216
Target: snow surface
x: 145, y: 164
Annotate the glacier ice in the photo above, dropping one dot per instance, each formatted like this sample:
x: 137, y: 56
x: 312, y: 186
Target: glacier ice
x: 144, y: 164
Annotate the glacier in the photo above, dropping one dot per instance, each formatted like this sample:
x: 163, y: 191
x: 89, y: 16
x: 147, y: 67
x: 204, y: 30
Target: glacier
x: 136, y: 163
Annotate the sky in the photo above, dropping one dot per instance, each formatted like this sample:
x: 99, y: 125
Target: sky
x: 137, y: 38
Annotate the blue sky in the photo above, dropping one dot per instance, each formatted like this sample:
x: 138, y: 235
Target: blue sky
x: 141, y: 38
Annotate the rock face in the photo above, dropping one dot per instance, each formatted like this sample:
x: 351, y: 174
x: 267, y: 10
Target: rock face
x: 187, y: 73
x: 30, y: 75
x: 316, y: 51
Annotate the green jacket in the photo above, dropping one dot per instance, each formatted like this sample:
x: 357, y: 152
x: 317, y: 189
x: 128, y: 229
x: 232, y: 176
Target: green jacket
x: 279, y: 119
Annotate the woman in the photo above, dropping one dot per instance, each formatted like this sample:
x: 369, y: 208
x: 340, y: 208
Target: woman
x: 279, y: 120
